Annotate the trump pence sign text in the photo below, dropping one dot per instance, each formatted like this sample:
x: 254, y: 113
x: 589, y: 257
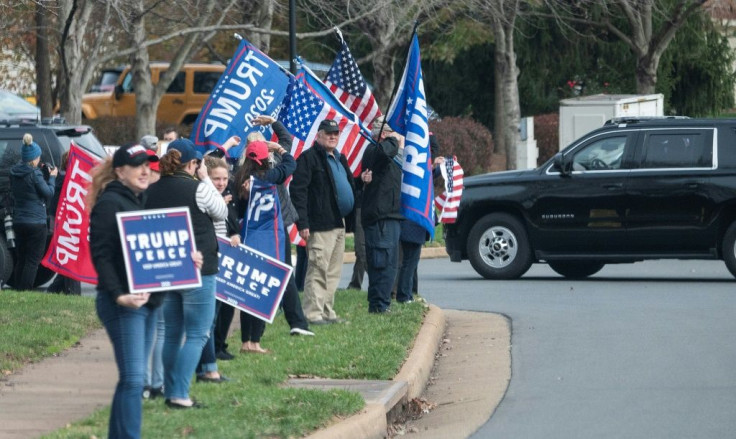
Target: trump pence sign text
x: 158, y: 246
x: 250, y: 280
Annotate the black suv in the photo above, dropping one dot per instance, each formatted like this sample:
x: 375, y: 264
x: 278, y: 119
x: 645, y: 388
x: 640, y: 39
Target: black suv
x: 632, y: 190
x: 54, y: 139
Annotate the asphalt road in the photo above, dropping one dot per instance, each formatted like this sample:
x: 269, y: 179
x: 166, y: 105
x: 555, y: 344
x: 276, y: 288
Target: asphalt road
x: 641, y: 350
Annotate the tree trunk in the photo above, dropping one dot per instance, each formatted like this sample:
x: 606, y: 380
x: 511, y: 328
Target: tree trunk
x: 264, y: 20
x: 646, y: 75
x: 499, y: 112
x: 383, y: 79
x: 44, y: 98
x: 507, y: 73
x: 145, y: 102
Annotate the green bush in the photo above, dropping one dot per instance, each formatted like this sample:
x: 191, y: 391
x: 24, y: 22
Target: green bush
x: 547, y: 133
x: 468, y: 140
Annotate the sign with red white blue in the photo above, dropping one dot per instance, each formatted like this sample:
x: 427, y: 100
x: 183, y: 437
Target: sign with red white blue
x: 158, y: 246
x: 250, y: 280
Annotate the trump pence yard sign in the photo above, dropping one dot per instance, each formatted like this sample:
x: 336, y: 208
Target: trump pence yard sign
x: 158, y: 246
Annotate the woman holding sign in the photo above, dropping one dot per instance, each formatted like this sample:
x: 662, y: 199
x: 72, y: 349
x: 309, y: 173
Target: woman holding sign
x: 117, y: 186
x: 188, y: 314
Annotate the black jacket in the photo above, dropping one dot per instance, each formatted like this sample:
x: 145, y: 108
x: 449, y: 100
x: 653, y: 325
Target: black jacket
x: 382, y: 196
x: 31, y: 193
x: 180, y: 190
x: 313, y: 191
x: 104, y: 241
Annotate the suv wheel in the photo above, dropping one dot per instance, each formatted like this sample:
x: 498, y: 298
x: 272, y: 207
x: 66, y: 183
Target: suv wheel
x: 576, y: 269
x: 729, y: 248
x: 6, y: 262
x: 498, y: 247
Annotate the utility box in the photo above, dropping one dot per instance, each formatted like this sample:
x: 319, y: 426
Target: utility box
x: 579, y: 116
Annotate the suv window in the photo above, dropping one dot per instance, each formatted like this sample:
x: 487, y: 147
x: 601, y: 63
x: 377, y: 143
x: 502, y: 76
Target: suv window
x: 178, y: 85
x: 604, y: 154
x: 677, y: 150
x: 204, y: 82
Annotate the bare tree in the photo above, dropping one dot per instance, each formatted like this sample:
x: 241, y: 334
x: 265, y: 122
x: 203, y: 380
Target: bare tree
x: 385, y: 24
x: 649, y: 27
x: 44, y: 94
x: 83, y: 26
x: 502, y: 15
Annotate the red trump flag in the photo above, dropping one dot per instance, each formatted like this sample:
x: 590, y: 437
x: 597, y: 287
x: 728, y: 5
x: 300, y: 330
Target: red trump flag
x: 68, y: 252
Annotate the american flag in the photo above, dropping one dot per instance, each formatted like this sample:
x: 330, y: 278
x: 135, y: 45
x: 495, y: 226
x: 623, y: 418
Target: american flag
x: 301, y: 113
x: 448, y: 202
x: 347, y: 84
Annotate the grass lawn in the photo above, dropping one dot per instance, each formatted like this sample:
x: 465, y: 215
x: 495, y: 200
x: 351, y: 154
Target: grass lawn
x: 37, y: 325
x: 254, y: 404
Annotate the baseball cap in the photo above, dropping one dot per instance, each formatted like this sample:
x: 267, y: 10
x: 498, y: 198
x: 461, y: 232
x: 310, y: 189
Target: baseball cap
x: 186, y: 148
x: 257, y: 151
x: 154, y: 165
x: 329, y: 126
x: 132, y: 155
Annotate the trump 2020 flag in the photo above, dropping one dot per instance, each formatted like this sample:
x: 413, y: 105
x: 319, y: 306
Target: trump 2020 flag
x: 262, y: 227
x: 251, y: 85
x: 407, y: 115
x: 69, y: 253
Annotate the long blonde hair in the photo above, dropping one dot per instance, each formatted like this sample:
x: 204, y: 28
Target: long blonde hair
x: 102, y: 175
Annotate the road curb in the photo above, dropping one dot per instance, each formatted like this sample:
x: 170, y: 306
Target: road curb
x: 371, y: 421
x: 427, y: 253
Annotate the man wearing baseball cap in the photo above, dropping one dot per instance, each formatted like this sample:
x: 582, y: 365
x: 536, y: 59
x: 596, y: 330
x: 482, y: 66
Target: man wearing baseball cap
x: 322, y: 192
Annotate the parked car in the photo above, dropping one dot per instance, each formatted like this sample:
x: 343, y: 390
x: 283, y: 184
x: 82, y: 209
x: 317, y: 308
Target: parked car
x: 180, y: 105
x: 635, y: 189
x: 54, y: 140
x: 13, y: 107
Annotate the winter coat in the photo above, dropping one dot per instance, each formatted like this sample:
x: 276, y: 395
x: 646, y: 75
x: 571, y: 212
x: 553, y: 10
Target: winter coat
x: 104, y: 241
x: 31, y: 193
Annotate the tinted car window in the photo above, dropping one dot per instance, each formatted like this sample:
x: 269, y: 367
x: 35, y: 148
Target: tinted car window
x: 677, y: 150
x: 604, y: 154
x: 204, y: 82
x: 178, y: 85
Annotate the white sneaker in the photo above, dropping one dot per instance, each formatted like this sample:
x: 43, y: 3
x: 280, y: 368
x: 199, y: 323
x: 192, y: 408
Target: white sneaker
x: 300, y: 331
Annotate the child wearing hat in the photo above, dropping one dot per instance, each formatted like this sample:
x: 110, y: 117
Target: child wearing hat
x: 31, y: 193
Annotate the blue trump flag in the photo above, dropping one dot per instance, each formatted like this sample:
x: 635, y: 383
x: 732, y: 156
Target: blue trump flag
x: 263, y: 229
x: 408, y: 116
x: 252, y: 84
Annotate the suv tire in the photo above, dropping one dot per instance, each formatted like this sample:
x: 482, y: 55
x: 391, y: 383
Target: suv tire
x: 498, y: 247
x: 6, y: 262
x: 576, y: 269
x: 729, y: 248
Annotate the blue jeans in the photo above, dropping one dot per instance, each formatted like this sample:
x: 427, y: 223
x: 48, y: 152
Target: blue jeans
x: 381, y: 251
x: 208, y: 360
x: 188, y: 315
x: 126, y: 328
x: 411, y: 253
x: 155, y: 330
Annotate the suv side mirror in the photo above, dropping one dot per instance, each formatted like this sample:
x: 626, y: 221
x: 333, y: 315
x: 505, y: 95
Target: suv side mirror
x: 118, y: 91
x: 560, y: 163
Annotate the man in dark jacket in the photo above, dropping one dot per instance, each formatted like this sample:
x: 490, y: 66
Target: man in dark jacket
x: 322, y: 193
x: 381, y: 215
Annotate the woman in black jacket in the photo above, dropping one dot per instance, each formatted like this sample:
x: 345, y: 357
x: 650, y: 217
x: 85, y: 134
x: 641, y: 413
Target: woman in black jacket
x: 31, y: 193
x: 118, y: 186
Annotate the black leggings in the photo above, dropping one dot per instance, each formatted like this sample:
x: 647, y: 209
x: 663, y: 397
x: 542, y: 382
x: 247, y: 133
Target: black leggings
x: 31, y: 243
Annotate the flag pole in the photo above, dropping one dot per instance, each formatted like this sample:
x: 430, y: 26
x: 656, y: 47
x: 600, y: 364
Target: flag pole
x: 396, y: 86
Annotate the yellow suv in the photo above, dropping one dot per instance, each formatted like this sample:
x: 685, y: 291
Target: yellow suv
x: 180, y: 104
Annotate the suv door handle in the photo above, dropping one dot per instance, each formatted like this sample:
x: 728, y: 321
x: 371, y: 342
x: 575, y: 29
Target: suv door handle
x: 177, y: 101
x: 693, y: 184
x: 613, y: 186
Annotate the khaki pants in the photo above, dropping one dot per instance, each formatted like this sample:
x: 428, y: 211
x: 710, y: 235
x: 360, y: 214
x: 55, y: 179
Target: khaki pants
x: 325, y: 251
